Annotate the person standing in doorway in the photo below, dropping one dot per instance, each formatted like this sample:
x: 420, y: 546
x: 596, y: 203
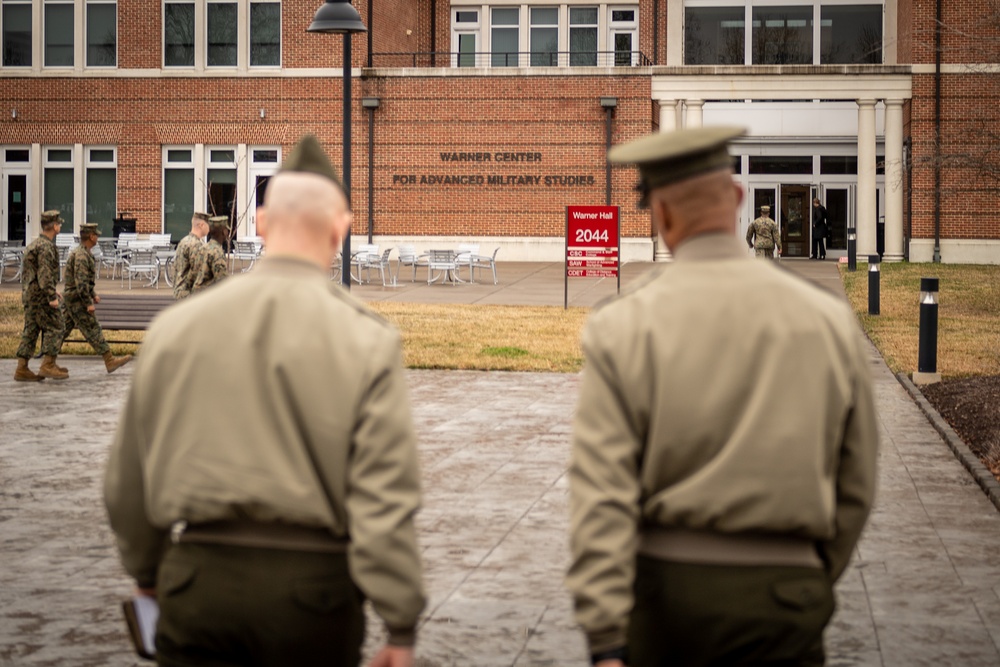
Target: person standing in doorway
x: 81, y: 299
x: 762, y: 235
x: 42, y: 312
x: 186, y: 258
x: 820, y: 230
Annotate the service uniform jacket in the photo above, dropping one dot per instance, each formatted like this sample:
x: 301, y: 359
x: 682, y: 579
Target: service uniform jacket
x: 81, y: 277
x: 726, y: 395
x: 249, y: 400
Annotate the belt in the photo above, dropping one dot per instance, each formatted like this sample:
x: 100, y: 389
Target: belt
x: 260, y: 535
x: 709, y: 548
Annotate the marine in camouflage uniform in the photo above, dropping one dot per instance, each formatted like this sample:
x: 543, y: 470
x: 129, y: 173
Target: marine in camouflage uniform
x: 81, y: 297
x: 42, y: 315
x: 762, y: 235
x: 212, y: 266
x: 186, y: 258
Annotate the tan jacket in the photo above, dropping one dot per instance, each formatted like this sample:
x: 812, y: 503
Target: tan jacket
x: 230, y: 393
x: 724, y: 394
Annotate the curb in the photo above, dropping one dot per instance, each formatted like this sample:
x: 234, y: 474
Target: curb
x: 984, y: 478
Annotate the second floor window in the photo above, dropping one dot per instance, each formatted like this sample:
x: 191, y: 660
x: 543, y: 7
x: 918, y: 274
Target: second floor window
x: 16, y: 19
x: 505, y: 37
x: 58, y: 27
x: 544, y: 37
x: 232, y: 38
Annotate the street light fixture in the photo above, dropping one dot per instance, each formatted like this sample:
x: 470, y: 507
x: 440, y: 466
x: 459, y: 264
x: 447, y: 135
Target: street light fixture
x: 340, y: 17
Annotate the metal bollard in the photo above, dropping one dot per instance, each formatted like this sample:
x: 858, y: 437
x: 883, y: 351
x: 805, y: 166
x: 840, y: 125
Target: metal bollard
x: 852, y: 249
x: 874, y: 276
x: 927, y: 350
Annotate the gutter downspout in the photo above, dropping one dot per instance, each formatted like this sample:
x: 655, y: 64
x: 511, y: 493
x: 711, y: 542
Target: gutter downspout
x: 371, y: 34
x: 434, y: 11
x: 937, y: 134
x: 656, y: 32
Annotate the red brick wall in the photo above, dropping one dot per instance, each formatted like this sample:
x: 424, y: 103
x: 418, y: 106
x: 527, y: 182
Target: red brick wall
x: 970, y: 31
x: 560, y: 119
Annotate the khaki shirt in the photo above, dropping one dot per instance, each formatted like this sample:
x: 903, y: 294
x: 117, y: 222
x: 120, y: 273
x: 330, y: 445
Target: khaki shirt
x: 763, y: 234
x: 235, y: 394
x: 725, y: 394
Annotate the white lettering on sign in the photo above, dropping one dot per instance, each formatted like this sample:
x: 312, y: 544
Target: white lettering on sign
x: 591, y: 235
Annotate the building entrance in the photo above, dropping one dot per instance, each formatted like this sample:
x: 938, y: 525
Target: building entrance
x: 794, y: 220
x: 15, y: 207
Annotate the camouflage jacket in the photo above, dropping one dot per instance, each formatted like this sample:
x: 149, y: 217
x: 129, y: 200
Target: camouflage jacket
x: 186, y: 265
x: 81, y: 274
x: 40, y: 272
x: 212, y: 267
x: 763, y: 233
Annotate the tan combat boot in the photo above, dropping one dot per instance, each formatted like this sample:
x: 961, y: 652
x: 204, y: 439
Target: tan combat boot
x: 49, y: 369
x: 24, y: 374
x: 113, y: 363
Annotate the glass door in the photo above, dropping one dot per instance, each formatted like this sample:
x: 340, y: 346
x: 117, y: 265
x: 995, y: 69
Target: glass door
x: 794, y: 220
x: 15, y: 207
x: 839, y: 203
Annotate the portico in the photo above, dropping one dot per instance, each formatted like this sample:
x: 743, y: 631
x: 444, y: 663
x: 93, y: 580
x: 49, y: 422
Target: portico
x: 772, y: 102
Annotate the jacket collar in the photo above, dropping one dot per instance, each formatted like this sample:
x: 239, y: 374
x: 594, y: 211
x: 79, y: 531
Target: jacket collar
x: 710, y: 247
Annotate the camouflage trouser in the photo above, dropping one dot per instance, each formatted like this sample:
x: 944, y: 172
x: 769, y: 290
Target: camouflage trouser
x: 41, y: 318
x: 76, y: 315
x: 767, y: 253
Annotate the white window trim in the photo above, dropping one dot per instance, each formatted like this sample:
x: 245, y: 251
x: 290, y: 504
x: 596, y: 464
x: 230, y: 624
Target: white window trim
x: 243, y: 44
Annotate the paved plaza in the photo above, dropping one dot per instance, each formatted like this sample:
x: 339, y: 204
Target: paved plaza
x: 923, y: 588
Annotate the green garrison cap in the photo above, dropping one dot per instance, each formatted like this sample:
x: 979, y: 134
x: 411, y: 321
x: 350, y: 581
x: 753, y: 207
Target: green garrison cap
x: 51, y: 217
x: 219, y: 221
x: 308, y: 157
x: 669, y: 157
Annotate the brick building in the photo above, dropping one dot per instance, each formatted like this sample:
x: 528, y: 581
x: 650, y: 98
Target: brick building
x: 486, y: 119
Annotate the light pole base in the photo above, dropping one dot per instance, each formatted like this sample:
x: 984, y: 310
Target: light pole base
x: 926, y: 378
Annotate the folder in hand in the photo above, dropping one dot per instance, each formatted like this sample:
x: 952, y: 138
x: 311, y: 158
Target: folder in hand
x: 141, y: 614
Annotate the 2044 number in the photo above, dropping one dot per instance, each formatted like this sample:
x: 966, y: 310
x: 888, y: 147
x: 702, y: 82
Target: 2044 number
x: 591, y: 236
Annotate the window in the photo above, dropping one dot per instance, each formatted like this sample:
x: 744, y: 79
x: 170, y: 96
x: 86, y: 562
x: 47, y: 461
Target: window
x: 624, y: 25
x: 782, y: 36
x: 265, y: 34
x: 783, y: 32
x: 102, y: 34
x: 178, y: 34
x: 543, y: 36
x: 465, y: 38
x: 714, y: 35
x: 222, y: 34
x: 851, y: 34
x: 178, y: 192
x: 100, y: 186
x: 221, y: 182
x: 781, y: 164
x: 57, y: 182
x: 16, y: 17
x: 504, y: 37
x: 58, y: 18
x: 582, y: 36
x: 236, y: 34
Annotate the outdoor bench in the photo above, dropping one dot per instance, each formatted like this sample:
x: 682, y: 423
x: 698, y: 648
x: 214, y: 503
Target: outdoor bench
x: 128, y: 312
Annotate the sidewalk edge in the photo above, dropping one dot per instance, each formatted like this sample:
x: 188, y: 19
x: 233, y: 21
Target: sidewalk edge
x: 983, y: 477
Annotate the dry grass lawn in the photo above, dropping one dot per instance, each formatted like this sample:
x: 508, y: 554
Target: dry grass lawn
x: 506, y: 338
x: 968, y: 315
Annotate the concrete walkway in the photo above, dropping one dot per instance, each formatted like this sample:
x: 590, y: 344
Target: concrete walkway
x: 923, y: 588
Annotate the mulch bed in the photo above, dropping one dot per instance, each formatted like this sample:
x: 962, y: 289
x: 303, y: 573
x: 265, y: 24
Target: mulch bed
x: 972, y: 407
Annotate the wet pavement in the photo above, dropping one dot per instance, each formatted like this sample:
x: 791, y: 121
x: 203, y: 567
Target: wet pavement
x: 923, y: 588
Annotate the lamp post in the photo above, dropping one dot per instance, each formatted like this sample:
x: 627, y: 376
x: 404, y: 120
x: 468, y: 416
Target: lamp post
x: 608, y: 104
x: 340, y: 17
x: 371, y: 103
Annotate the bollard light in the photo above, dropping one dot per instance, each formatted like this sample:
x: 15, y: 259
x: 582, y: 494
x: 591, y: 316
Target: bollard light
x: 852, y: 249
x: 927, y: 349
x: 874, y: 276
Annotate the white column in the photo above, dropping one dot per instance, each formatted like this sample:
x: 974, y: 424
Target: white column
x: 668, y: 115
x: 243, y: 205
x: 675, y: 33
x: 867, y: 215
x: 35, y: 201
x: 79, y: 201
x: 694, y: 113
x: 893, y: 181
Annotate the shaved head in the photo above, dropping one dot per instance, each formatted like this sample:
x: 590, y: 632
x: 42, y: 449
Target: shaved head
x: 304, y: 215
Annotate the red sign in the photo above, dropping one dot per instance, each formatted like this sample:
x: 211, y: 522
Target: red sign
x: 611, y: 263
x: 592, y: 227
x: 592, y: 273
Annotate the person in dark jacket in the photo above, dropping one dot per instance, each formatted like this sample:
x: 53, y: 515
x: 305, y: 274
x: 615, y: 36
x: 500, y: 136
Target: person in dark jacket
x: 821, y: 230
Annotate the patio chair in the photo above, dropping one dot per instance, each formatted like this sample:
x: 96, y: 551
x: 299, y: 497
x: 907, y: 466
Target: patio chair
x: 379, y: 263
x: 110, y: 257
x: 161, y: 241
x: 485, y: 262
x: 243, y: 252
x: 10, y: 255
x: 125, y: 238
x: 359, y: 260
x: 141, y: 262
x: 464, y: 255
x: 407, y: 256
x: 443, y: 261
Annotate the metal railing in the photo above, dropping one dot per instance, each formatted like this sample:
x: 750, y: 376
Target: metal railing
x: 500, y: 59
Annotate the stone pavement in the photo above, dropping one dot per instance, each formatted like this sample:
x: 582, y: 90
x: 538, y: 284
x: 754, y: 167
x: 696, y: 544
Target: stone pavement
x: 923, y: 588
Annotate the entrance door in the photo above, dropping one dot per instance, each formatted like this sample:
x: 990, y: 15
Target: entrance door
x: 765, y: 195
x: 15, y: 207
x: 793, y: 220
x: 839, y: 202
